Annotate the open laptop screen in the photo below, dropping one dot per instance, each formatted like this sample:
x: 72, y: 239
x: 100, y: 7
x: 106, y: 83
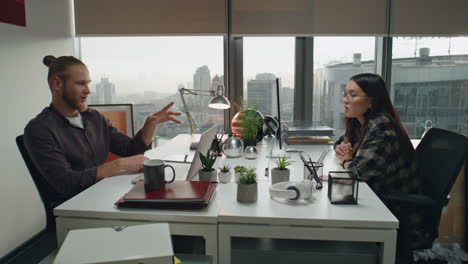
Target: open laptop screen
x: 205, y: 143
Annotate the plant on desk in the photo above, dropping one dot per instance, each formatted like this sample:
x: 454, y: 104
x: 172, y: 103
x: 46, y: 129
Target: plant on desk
x: 207, y: 173
x: 238, y: 170
x: 247, y: 187
x: 281, y: 172
x: 251, y: 122
x: 224, y: 174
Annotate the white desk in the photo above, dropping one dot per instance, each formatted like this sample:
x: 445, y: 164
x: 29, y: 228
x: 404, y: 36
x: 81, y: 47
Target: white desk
x: 224, y: 218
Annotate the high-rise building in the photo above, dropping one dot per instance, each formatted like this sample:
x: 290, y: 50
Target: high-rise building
x: 201, y: 81
x: 202, y: 78
x: 93, y: 98
x: 423, y: 88
x: 217, y: 80
x: 261, y: 93
x: 105, y: 91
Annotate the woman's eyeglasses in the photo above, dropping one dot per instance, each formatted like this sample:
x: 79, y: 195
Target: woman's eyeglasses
x: 350, y: 96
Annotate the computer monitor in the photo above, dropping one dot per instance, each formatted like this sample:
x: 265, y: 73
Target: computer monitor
x: 279, y: 132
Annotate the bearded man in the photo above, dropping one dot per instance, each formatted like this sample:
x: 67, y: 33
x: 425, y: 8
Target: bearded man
x: 69, y: 142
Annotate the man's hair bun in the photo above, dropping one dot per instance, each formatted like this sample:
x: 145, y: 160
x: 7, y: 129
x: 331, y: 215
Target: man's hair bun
x: 48, y: 60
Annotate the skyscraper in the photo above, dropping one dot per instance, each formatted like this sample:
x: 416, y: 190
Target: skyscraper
x: 261, y: 93
x: 217, y: 80
x: 423, y: 88
x: 202, y: 78
x: 105, y: 91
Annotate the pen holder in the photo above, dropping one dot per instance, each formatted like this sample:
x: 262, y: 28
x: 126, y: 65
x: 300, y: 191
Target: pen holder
x: 318, y: 168
x: 343, y: 187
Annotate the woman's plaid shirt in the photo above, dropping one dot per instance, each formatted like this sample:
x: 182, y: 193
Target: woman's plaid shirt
x: 380, y: 163
x: 379, y: 160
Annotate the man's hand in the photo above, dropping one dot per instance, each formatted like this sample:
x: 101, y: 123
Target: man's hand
x: 120, y: 166
x: 164, y: 115
x: 343, y: 149
x: 132, y: 164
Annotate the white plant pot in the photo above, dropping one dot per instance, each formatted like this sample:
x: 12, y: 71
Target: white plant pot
x: 247, y: 193
x: 224, y: 177
x: 278, y: 175
x: 207, y: 175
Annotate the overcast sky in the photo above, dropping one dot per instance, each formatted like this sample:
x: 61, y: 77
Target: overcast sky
x: 164, y: 62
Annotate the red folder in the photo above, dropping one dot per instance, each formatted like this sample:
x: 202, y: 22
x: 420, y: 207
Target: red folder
x: 176, y: 195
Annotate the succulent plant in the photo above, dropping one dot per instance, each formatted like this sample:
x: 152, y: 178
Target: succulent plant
x: 208, y: 161
x: 240, y: 169
x: 282, y: 162
x: 248, y: 177
x: 225, y: 168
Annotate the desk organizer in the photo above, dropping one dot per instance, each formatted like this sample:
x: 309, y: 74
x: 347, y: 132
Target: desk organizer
x: 318, y: 168
x: 343, y: 187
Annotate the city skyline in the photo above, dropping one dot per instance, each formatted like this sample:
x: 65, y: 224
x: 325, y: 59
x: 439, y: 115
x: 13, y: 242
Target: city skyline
x: 162, y: 63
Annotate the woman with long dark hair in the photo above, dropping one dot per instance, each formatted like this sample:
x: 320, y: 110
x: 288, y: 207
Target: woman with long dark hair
x: 376, y: 146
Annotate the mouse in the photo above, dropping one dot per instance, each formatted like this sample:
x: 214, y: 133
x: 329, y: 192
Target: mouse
x: 293, y: 150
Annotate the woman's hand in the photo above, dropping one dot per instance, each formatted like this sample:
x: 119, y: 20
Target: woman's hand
x: 342, y: 150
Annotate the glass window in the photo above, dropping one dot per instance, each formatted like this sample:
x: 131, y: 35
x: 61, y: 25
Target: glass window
x: 148, y: 71
x: 430, y: 82
x: 336, y: 59
x: 265, y: 59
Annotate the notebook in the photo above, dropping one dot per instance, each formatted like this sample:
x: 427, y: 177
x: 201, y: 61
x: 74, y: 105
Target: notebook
x: 176, y: 195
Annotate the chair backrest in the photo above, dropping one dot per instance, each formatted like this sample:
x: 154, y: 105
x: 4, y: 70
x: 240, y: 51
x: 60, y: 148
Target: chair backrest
x: 441, y: 155
x: 44, y: 189
x: 121, y: 117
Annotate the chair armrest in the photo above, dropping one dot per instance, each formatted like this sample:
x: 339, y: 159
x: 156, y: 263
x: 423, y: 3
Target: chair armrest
x: 409, y: 200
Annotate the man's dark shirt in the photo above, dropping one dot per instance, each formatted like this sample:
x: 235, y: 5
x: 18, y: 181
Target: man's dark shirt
x: 68, y: 156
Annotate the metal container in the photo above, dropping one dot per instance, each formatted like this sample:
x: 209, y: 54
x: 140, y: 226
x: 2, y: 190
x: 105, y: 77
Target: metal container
x: 250, y: 152
x: 233, y: 147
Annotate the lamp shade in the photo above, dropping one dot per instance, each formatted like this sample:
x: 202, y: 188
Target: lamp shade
x: 219, y: 101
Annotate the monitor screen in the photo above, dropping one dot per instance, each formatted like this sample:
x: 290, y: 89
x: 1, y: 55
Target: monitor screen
x: 279, y: 132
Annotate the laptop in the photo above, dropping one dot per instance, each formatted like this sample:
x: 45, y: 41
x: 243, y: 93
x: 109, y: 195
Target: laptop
x: 203, y: 146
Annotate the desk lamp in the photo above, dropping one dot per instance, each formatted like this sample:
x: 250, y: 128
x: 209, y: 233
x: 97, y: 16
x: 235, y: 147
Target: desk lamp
x: 219, y: 101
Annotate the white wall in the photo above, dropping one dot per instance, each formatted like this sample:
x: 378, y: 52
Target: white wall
x: 23, y: 94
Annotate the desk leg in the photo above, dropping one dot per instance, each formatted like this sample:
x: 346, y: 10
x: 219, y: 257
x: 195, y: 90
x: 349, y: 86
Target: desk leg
x: 224, y: 248
x: 388, y: 249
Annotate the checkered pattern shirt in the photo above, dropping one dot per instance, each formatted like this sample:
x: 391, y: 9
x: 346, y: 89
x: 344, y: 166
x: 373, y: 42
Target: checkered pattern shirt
x: 380, y: 163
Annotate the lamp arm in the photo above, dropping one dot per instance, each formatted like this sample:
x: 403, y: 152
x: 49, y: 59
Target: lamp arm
x: 189, y: 116
x: 197, y: 92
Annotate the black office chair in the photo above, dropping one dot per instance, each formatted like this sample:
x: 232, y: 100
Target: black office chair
x: 441, y: 154
x: 44, y: 189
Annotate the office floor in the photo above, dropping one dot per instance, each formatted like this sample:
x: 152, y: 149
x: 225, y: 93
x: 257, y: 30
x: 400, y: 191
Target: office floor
x: 42, y: 250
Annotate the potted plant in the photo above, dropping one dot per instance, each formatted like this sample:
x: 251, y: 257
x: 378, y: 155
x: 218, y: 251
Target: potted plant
x: 280, y: 173
x: 247, y: 187
x: 224, y: 174
x: 207, y: 173
x: 238, y: 170
x: 251, y: 122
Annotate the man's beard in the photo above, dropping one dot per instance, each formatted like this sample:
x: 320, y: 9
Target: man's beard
x: 74, y: 103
